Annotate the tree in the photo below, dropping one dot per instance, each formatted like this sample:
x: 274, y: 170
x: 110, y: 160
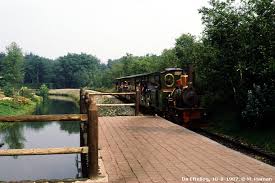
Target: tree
x: 13, y: 70
x: 184, y: 49
x: 168, y: 58
x: 242, y: 38
x: 2, y: 56
x: 76, y: 70
x: 38, y: 70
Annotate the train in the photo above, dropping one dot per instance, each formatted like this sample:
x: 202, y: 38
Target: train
x: 169, y: 93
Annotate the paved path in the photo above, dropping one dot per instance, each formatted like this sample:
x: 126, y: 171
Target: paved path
x: 152, y: 149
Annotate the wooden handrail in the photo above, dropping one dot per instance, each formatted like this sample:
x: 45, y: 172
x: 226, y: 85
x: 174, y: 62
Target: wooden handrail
x: 191, y: 109
x: 89, y: 145
x: 124, y: 93
x: 44, y: 118
x: 136, y: 104
x: 112, y: 105
x: 43, y: 151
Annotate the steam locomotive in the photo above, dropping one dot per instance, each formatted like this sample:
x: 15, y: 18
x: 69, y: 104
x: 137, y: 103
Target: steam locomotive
x: 169, y: 93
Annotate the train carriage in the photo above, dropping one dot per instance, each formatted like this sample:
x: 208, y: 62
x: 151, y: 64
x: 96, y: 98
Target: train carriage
x: 169, y: 92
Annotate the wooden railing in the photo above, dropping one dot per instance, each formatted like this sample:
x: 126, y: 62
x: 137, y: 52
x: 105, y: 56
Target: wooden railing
x: 88, y: 119
x: 90, y: 150
x: 136, y: 104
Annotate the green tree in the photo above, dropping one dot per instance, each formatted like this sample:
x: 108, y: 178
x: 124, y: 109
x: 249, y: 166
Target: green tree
x: 43, y: 91
x: 185, y: 49
x: 2, y: 56
x: 13, y: 70
x: 168, y: 58
x: 38, y: 70
x: 76, y: 70
x: 242, y: 38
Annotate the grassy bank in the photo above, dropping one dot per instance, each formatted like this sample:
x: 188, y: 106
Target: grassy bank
x: 72, y: 93
x: 17, y: 106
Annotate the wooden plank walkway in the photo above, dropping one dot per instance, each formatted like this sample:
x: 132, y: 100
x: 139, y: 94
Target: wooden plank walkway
x: 152, y: 149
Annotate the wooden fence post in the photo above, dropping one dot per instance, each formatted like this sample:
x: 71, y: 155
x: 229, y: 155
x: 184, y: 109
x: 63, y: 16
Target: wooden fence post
x: 86, y: 101
x: 83, y: 110
x: 137, y: 101
x: 92, y: 139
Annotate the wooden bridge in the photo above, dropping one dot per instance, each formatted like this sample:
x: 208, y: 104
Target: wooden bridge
x: 151, y: 149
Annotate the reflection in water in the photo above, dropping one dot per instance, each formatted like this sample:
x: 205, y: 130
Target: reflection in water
x: 13, y: 136
x: 70, y: 127
x: 36, y: 126
x: 42, y: 135
x: 55, y: 106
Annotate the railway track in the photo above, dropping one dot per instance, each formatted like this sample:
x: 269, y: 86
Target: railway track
x: 238, y: 146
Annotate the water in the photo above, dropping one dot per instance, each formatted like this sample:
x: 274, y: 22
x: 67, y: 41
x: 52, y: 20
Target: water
x: 41, y: 135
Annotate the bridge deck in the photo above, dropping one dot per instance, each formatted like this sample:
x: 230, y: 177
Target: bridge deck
x: 152, y: 149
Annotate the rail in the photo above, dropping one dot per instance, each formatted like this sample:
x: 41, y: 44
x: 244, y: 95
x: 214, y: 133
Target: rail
x: 136, y: 104
x: 87, y: 99
x: 88, y: 119
x: 87, y: 149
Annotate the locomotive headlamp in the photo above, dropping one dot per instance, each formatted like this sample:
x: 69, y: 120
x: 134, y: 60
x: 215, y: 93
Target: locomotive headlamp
x: 169, y: 80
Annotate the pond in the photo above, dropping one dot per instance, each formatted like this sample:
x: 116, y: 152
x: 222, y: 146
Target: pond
x: 42, y: 135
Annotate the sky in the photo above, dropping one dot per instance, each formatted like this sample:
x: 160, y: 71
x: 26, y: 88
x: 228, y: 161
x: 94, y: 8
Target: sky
x: 107, y: 29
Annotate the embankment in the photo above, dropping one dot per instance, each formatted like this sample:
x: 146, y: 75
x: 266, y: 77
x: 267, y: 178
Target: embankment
x: 103, y: 111
x: 72, y: 93
x: 17, y: 106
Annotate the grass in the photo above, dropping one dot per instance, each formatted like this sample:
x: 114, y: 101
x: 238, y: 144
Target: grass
x: 13, y: 107
x: 10, y: 107
x: 72, y: 93
x: 225, y: 121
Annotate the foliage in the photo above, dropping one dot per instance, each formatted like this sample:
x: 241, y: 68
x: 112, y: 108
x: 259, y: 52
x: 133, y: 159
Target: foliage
x: 8, y: 90
x: 2, y: 56
x: 185, y: 49
x: 168, y: 58
x: 76, y: 70
x: 243, y: 38
x: 26, y: 92
x: 256, y: 105
x: 21, y: 100
x: 235, y: 53
x: 38, y: 70
x: 13, y: 107
x: 13, y: 64
x: 43, y: 91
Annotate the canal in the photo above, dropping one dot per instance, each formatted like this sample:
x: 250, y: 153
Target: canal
x: 42, y: 135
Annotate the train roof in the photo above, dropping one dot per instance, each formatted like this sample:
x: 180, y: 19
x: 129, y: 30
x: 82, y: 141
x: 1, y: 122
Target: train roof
x: 151, y: 73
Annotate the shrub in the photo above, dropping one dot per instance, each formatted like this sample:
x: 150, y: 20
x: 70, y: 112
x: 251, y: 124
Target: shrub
x: 26, y: 92
x: 256, y: 105
x: 21, y: 100
x: 43, y: 91
x: 8, y: 91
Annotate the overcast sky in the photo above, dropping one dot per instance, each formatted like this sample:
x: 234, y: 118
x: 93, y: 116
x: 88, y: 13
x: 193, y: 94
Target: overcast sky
x: 107, y: 29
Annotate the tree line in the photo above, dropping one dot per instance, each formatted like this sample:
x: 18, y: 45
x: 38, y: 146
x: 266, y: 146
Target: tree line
x: 233, y: 60
x: 69, y: 71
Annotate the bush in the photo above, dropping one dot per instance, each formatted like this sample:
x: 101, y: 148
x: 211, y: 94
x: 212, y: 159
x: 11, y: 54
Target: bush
x: 43, y: 91
x: 256, y: 106
x: 26, y: 92
x: 21, y: 100
x: 211, y: 100
x: 8, y: 91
